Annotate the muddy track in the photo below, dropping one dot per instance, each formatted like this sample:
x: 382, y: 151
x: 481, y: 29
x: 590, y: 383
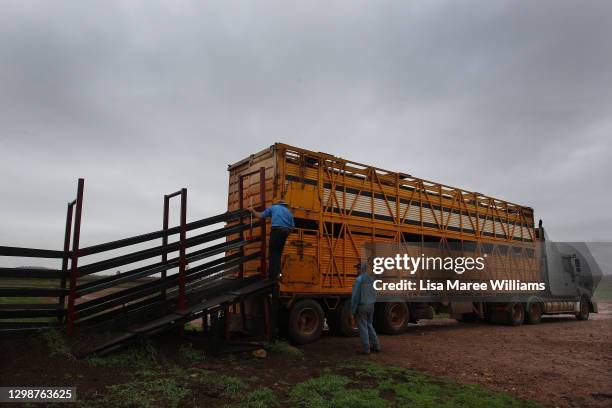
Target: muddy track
x: 561, y: 362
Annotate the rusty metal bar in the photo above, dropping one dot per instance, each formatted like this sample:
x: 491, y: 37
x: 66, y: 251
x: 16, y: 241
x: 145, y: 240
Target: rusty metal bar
x: 66, y: 248
x: 75, y: 257
x: 30, y: 252
x: 165, y: 222
x: 183, y: 261
x: 175, y: 194
x: 30, y: 292
x: 262, y: 195
x: 31, y: 272
x: 17, y: 311
x: 157, y: 251
x: 146, y: 289
x: 241, y: 207
x: 228, y: 216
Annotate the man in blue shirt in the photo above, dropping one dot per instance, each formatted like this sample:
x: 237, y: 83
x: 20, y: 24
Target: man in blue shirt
x: 363, y: 299
x: 282, y: 224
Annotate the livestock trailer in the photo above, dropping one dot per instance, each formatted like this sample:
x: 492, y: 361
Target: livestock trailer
x: 340, y: 206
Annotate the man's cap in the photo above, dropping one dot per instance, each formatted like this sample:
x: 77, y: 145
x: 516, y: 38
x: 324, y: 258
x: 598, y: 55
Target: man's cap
x: 360, y: 265
x: 281, y: 202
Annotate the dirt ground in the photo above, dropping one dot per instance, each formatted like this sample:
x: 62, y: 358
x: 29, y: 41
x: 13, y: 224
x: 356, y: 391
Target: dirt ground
x: 562, y: 362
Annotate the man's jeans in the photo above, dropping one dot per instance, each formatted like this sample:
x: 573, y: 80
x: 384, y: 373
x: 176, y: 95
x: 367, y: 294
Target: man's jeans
x: 369, y: 339
x: 278, y: 237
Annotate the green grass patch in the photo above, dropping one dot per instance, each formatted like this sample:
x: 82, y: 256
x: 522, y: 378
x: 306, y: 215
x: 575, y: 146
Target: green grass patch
x: 402, y: 387
x: 163, y: 392
x: 57, y: 343
x: 283, y: 347
x: 168, y: 386
x: 140, y: 358
x: 221, y: 384
x: 214, y: 383
x: 359, y: 384
x: 188, y: 354
x: 262, y: 397
x: 375, y: 371
x: 329, y: 391
x: 355, y: 385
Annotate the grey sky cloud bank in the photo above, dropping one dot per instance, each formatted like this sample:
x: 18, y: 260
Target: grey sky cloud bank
x: 510, y: 99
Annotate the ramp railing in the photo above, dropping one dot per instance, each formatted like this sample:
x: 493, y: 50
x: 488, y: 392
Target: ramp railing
x: 169, y: 273
x: 30, y: 296
x: 34, y: 297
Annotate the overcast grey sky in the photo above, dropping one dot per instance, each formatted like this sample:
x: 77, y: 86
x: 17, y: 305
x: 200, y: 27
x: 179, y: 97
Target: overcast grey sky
x: 511, y: 99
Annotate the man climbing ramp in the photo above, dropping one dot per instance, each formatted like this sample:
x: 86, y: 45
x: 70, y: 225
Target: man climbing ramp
x: 282, y: 224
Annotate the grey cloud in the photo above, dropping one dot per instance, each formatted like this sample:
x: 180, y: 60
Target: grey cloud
x: 506, y: 98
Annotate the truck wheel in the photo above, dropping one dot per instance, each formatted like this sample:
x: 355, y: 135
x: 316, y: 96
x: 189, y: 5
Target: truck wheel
x: 341, y: 321
x: 533, y: 314
x: 392, y: 318
x: 583, y: 314
x: 305, y: 321
x: 516, y: 314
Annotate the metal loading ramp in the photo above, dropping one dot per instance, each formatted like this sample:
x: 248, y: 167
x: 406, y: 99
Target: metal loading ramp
x: 136, y: 287
x: 236, y: 292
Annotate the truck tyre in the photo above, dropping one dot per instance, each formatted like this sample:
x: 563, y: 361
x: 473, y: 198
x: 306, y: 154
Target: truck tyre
x: 533, y: 314
x: 516, y: 314
x: 583, y: 314
x: 341, y: 321
x: 392, y: 317
x: 305, y: 321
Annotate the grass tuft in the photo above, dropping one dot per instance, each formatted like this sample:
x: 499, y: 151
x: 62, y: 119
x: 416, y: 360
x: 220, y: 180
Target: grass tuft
x: 188, y: 354
x: 262, y: 397
x: 140, y: 358
x: 57, y: 343
x: 410, y: 388
x: 359, y: 384
x: 282, y: 347
x: 218, y: 384
x: 330, y: 391
x: 164, y: 392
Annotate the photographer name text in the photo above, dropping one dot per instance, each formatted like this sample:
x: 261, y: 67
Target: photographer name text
x: 457, y: 285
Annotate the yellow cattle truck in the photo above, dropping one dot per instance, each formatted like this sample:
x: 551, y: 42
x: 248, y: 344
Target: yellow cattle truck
x: 339, y: 206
